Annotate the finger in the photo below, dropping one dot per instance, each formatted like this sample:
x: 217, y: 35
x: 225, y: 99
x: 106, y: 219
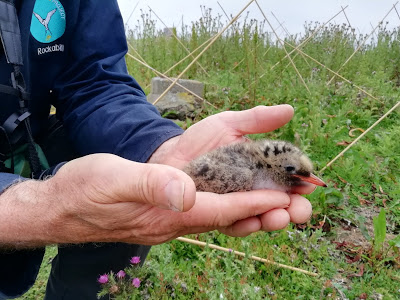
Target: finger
x: 228, y: 127
x: 162, y: 186
x: 259, y: 119
x: 154, y: 184
x: 242, y: 228
x: 213, y: 211
x: 276, y: 219
x: 300, y: 209
x: 305, y: 188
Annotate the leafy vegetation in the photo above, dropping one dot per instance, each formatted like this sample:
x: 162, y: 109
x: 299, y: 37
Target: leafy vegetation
x: 350, y: 240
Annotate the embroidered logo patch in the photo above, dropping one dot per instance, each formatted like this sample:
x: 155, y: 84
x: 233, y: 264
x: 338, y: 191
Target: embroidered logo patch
x: 48, y: 20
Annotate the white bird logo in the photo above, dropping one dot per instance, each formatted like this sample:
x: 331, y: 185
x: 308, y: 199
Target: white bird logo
x: 46, y: 21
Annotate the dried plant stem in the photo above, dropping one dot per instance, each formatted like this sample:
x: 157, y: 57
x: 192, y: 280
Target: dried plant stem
x: 307, y: 39
x: 170, y: 79
x: 284, y: 48
x: 179, y: 41
x: 256, y: 258
x: 202, y: 52
x: 337, y: 74
x: 360, y: 137
x: 361, y: 44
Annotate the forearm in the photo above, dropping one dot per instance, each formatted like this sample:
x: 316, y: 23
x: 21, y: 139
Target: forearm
x: 27, y: 215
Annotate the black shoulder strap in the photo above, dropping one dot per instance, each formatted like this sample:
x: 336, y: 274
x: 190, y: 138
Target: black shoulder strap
x: 10, y: 33
x: 11, y: 39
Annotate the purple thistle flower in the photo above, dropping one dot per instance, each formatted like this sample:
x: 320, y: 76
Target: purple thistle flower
x: 136, y: 282
x: 103, y: 279
x: 135, y: 260
x: 121, y: 274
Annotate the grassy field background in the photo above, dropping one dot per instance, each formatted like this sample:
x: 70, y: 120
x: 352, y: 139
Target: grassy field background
x: 355, y: 252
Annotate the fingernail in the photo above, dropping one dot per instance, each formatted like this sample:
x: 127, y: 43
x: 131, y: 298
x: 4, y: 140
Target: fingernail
x: 174, y: 191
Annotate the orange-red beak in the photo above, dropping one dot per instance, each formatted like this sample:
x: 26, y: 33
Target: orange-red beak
x: 311, y: 179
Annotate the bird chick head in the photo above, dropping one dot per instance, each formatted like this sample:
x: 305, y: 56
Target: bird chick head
x: 289, y: 165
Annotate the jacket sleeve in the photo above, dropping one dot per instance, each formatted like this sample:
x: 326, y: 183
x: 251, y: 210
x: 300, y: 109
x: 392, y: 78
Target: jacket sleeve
x: 18, y: 268
x: 103, y: 108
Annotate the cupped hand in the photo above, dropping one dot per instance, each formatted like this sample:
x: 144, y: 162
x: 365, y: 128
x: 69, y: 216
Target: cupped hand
x: 231, y: 127
x: 105, y: 198
x: 221, y: 129
x: 111, y: 199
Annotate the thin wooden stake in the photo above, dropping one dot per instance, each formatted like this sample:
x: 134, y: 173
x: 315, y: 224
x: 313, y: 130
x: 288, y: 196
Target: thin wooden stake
x: 202, y: 52
x: 187, y: 56
x: 284, y: 48
x: 337, y: 74
x: 348, y: 21
x: 362, y: 43
x: 360, y: 137
x: 242, y: 254
x: 179, y: 41
x: 397, y: 12
x: 141, y: 58
x: 288, y: 34
x: 281, y: 24
x: 252, y: 51
x: 126, y: 23
x: 307, y: 39
x: 345, y: 15
x: 226, y: 15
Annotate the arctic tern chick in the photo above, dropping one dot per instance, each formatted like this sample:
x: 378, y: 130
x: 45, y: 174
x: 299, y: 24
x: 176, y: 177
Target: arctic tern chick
x: 253, y: 165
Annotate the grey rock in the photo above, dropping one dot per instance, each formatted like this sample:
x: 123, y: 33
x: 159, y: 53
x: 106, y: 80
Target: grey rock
x: 178, y: 103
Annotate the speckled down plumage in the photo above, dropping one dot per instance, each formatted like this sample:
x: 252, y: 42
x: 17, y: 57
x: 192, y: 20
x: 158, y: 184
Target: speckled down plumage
x: 253, y: 165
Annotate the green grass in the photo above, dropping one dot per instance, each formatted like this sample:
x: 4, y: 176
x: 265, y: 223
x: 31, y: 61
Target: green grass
x: 361, y: 183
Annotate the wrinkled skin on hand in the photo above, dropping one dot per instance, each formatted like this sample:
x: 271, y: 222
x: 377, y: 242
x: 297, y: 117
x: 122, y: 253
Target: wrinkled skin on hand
x: 231, y: 127
x: 105, y: 198
x: 117, y: 205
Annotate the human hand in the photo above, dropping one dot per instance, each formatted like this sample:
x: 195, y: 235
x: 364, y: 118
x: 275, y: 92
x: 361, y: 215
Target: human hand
x: 218, y: 130
x: 105, y: 198
x: 230, y: 127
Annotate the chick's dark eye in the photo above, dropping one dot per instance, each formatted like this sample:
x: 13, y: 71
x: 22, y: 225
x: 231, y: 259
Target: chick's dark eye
x: 290, y: 169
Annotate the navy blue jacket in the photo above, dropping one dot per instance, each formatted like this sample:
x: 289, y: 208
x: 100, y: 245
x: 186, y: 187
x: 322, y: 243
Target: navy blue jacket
x: 77, y: 64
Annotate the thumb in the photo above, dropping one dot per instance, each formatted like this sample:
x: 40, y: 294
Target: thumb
x: 158, y: 185
x: 114, y: 179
